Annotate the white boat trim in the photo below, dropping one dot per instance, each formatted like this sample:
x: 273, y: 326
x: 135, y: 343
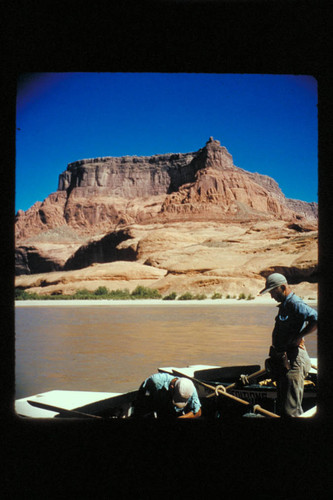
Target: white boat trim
x: 69, y: 400
x: 188, y: 370
x: 310, y: 413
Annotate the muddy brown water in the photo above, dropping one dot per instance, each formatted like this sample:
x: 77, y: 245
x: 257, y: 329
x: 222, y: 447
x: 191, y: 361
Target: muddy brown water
x: 112, y: 348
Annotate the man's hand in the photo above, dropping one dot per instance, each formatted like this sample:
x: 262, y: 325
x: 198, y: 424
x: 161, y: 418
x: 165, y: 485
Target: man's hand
x: 191, y: 414
x: 310, y: 328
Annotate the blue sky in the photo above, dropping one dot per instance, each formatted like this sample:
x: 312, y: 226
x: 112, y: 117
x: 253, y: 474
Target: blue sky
x: 268, y: 123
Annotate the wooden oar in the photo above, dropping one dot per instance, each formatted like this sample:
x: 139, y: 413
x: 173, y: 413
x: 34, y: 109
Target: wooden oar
x: 249, y: 377
x: 220, y: 390
x: 72, y: 413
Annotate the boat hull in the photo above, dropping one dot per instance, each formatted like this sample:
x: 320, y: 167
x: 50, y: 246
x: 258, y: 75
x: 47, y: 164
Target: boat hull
x: 105, y: 404
x: 206, y: 379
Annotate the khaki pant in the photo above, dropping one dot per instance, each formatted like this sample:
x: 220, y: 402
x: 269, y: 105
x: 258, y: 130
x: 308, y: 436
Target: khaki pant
x: 291, y: 385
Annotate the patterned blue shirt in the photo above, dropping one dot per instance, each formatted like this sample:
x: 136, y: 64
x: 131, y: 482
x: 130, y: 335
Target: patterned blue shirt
x: 157, y: 387
x: 293, y: 316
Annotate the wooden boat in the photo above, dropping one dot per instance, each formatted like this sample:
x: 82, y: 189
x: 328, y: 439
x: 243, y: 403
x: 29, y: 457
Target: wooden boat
x: 220, y: 392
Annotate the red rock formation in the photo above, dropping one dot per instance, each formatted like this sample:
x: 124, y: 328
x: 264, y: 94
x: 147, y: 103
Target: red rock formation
x: 97, y: 197
x: 226, y: 194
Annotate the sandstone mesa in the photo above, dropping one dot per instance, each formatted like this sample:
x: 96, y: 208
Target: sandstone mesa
x: 174, y: 222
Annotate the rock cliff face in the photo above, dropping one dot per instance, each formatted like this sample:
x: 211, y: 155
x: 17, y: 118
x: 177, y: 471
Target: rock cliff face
x: 226, y: 195
x: 90, y: 218
x: 101, y: 193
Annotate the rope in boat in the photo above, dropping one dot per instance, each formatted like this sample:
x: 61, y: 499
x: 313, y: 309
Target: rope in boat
x: 218, y: 389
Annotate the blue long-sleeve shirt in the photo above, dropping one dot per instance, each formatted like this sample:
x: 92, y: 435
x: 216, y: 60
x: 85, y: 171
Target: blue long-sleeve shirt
x: 156, y: 387
x: 292, y: 318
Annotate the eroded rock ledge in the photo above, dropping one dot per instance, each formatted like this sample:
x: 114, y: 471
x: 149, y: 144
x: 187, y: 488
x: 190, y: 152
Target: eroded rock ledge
x: 188, y: 256
x: 207, y: 224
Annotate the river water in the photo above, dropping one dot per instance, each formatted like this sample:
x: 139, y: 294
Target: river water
x: 113, y: 348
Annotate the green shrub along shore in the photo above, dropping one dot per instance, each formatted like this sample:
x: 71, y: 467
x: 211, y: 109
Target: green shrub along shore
x: 140, y: 292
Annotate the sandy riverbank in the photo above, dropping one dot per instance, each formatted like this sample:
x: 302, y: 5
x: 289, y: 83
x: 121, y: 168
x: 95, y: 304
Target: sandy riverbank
x: 152, y: 302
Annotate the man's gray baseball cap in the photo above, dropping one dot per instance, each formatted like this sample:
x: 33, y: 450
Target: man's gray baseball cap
x: 273, y: 281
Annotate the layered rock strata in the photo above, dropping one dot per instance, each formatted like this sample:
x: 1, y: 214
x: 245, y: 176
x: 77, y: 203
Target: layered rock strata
x: 99, y: 194
x: 189, y: 256
x: 110, y: 210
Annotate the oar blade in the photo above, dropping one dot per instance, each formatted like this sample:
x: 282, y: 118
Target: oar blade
x: 61, y: 411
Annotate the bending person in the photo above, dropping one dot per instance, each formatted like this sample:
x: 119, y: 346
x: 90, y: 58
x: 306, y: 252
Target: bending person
x: 167, y: 396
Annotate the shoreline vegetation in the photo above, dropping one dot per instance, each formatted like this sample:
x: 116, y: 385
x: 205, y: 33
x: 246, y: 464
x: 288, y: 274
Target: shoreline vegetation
x: 140, y: 292
x: 141, y: 295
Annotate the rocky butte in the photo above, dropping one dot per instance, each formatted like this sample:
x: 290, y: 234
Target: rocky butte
x: 174, y: 222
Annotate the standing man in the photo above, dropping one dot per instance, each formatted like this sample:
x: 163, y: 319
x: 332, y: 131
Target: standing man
x: 167, y: 396
x: 289, y: 361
